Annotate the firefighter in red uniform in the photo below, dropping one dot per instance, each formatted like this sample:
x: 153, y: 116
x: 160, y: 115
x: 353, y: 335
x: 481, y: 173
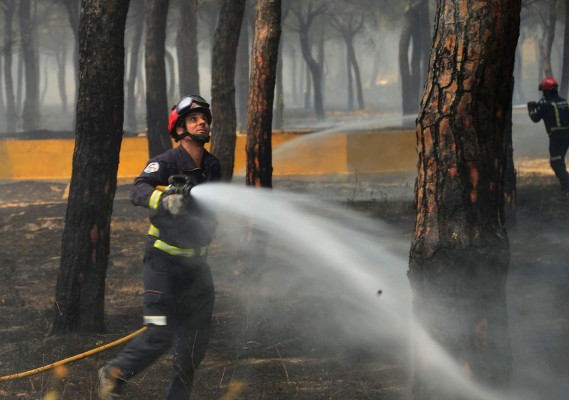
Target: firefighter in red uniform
x: 554, y: 112
x: 178, y: 286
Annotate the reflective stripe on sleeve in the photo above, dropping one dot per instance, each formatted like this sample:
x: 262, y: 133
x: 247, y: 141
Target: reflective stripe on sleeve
x: 154, y: 199
x: 154, y: 319
x: 153, y: 231
x: 177, y: 251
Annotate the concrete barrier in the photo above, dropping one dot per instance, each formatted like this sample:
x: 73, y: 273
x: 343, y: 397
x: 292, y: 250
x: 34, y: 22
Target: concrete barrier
x: 294, y: 154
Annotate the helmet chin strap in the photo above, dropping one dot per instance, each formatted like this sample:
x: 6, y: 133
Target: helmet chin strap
x: 195, y: 138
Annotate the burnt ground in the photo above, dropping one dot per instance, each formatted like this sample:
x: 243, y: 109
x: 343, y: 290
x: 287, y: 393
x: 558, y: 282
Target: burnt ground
x: 276, y: 361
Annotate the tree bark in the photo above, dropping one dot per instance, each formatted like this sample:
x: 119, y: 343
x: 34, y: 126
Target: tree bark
x: 187, y: 48
x: 79, y: 296
x: 460, y: 253
x: 11, y: 115
x: 223, y: 85
x: 137, y: 12
x: 155, y: 64
x: 261, y: 93
x: 32, y: 115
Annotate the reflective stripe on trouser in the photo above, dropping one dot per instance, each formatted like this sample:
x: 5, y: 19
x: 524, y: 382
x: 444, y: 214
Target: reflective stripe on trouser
x: 185, y: 298
x: 155, y: 320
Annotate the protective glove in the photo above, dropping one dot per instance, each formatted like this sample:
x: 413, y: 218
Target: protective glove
x: 173, y: 203
x: 532, y: 105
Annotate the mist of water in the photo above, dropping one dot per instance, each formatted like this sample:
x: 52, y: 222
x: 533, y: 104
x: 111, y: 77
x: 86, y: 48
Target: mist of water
x: 352, y: 256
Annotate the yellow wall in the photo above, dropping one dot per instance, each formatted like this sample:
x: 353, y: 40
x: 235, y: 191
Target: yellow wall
x: 310, y: 154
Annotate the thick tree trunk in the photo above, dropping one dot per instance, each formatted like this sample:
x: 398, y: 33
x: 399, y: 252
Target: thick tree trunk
x: 261, y: 93
x: 242, y: 74
x: 11, y: 115
x: 137, y: 11
x: 460, y: 253
x: 32, y: 119
x: 79, y: 297
x: 187, y: 48
x: 154, y: 61
x: 223, y: 85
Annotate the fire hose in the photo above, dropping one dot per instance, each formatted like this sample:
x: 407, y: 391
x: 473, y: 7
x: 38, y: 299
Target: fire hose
x: 73, y: 358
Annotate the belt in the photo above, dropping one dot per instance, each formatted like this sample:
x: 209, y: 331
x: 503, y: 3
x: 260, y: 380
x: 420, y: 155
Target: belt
x: 173, y: 250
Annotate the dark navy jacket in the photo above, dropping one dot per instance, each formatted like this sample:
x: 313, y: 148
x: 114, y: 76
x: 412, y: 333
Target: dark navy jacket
x: 191, y: 230
x: 553, y: 111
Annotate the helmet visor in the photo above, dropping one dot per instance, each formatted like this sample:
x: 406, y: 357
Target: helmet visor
x: 189, y: 102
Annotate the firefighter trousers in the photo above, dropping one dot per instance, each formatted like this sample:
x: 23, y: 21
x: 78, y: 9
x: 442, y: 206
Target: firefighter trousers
x: 178, y: 306
x: 558, y: 145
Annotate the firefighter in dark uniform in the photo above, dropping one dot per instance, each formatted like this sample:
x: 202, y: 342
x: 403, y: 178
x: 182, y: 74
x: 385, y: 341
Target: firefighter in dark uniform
x: 554, y: 112
x: 178, y: 286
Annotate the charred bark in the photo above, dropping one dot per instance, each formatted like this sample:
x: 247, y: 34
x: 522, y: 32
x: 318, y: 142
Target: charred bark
x: 79, y: 297
x: 223, y: 85
x: 187, y: 48
x: 460, y: 252
x: 155, y: 64
x: 261, y: 93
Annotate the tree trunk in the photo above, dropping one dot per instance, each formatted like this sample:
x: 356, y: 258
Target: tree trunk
x: 261, y: 93
x: 223, y: 85
x: 564, y: 89
x: 187, y: 48
x: 72, y: 7
x: 170, y: 75
x: 357, y: 75
x: 155, y: 64
x: 137, y: 10
x: 460, y: 253
x: 11, y: 114
x: 546, y: 43
x: 242, y: 74
x: 408, y: 101
x: 61, y: 58
x: 32, y: 115
x: 294, y: 75
x: 349, y: 80
x: 79, y: 296
x: 510, y: 173
x: 316, y: 74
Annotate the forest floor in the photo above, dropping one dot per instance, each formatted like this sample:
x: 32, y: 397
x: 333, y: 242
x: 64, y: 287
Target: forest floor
x: 277, y: 362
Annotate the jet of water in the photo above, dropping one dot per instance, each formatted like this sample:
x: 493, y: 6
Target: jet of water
x: 331, y: 241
